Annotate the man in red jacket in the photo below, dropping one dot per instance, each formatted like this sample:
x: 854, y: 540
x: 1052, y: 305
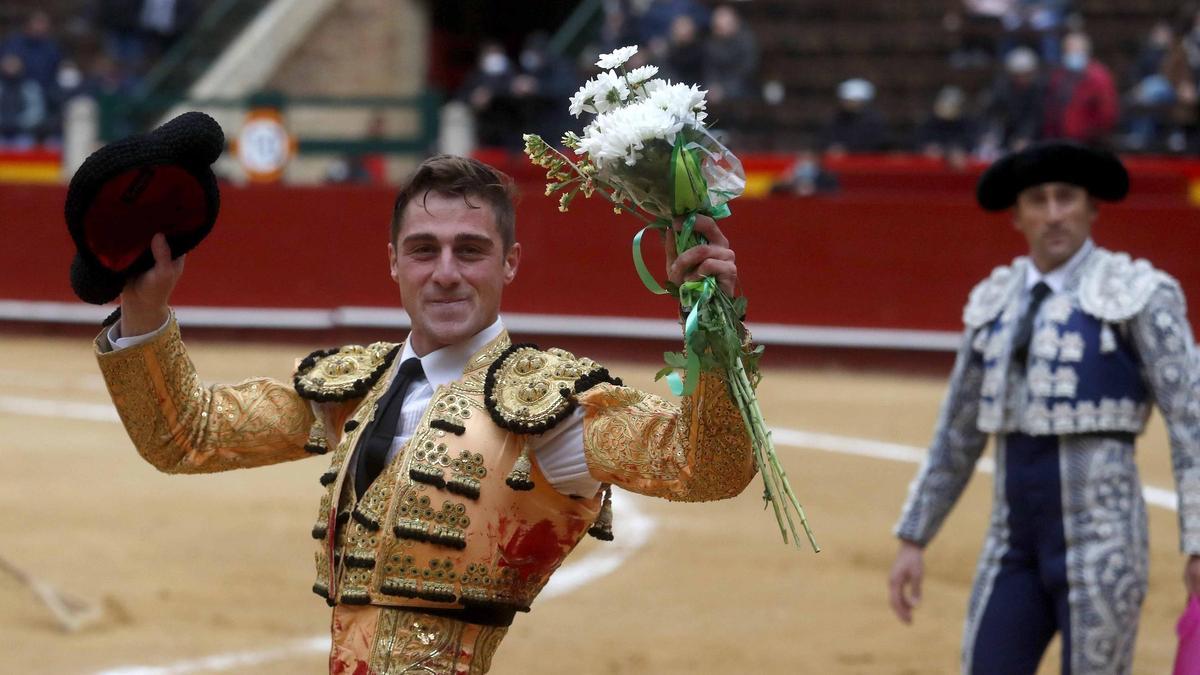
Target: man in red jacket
x: 1081, y: 99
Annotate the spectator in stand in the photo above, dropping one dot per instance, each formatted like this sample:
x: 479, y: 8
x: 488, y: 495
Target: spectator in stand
x: 22, y: 104
x: 1163, y: 101
x: 979, y: 24
x: 617, y: 30
x: 856, y: 126
x: 488, y: 92
x: 1042, y: 20
x: 730, y: 57
x: 685, y: 52
x: 38, y: 49
x: 1191, y: 42
x: 1154, y: 52
x: 163, y: 21
x: 656, y: 22
x: 123, y: 39
x: 541, y: 86
x: 1014, y: 104
x: 104, y: 79
x: 1081, y: 98
x: 68, y: 83
x: 806, y: 177
x: 949, y: 133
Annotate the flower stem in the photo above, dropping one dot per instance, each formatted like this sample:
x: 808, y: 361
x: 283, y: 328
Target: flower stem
x: 778, y: 490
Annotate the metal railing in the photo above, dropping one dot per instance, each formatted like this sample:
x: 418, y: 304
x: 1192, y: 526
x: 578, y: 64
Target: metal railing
x: 115, y: 119
x: 579, y: 27
x: 187, y: 60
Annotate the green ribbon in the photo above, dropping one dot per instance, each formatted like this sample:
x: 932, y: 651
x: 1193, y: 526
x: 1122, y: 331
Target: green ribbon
x: 693, y: 294
x: 647, y: 278
x: 689, y: 198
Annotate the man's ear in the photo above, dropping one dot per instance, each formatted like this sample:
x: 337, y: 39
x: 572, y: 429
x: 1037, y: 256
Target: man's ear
x: 512, y: 260
x: 395, y: 271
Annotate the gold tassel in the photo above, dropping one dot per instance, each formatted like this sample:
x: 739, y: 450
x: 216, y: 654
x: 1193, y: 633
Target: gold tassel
x: 602, y: 528
x: 520, y: 477
x: 317, y: 443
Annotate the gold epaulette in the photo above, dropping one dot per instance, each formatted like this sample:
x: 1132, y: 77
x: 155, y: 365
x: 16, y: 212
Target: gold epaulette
x: 343, y: 373
x: 528, y: 390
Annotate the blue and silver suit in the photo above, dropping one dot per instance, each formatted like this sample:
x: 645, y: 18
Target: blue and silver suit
x: 1066, y: 548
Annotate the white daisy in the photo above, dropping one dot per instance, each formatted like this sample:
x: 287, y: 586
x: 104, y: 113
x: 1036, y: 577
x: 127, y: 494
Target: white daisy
x: 639, y: 76
x: 683, y: 101
x: 622, y: 133
x: 617, y: 57
x: 581, y: 101
x: 609, y: 90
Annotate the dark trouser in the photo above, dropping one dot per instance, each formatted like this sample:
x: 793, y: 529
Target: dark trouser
x: 1028, y: 602
x: 1066, y: 552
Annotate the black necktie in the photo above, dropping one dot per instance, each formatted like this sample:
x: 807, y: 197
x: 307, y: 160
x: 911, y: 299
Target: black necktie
x: 1024, y: 334
x: 372, y: 455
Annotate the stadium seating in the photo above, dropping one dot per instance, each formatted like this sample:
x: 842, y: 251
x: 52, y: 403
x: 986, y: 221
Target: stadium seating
x: 810, y: 45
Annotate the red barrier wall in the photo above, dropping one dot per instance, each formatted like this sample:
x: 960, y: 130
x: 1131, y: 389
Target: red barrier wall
x: 877, y: 261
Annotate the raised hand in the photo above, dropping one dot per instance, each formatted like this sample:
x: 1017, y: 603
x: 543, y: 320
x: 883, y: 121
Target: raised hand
x: 145, y: 299
x: 714, y: 259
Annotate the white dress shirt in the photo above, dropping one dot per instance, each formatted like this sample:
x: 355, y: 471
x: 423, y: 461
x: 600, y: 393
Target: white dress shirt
x: 1057, y: 277
x: 559, y: 451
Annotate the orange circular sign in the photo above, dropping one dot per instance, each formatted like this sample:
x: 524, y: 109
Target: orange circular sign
x: 264, y: 146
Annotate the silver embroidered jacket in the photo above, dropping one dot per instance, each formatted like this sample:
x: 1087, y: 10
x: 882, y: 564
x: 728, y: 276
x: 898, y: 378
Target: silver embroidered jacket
x: 1114, y: 341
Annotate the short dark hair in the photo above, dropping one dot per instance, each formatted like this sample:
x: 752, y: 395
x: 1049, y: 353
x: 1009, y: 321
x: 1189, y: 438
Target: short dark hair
x: 461, y: 177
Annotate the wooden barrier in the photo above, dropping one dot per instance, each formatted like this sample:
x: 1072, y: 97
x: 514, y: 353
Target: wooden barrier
x: 871, y: 261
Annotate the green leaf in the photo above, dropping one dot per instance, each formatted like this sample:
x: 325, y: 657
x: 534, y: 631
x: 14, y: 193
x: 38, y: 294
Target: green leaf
x: 663, y: 373
x: 675, y: 359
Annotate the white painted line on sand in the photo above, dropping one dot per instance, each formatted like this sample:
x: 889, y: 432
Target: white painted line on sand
x: 237, y: 661
x: 846, y: 445
x: 74, y: 410
x: 860, y: 447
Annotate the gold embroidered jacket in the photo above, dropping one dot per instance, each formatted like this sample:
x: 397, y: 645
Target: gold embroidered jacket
x: 462, y: 517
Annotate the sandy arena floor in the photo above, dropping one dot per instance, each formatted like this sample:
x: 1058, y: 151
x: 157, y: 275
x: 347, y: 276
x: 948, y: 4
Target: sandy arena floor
x: 195, y: 567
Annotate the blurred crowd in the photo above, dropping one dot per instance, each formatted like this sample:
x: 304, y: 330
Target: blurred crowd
x: 1047, y: 84
x: 685, y: 39
x: 1046, y: 81
x: 1042, y: 79
x: 104, y: 50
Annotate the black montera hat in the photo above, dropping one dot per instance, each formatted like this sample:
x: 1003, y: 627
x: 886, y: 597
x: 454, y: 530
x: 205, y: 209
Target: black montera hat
x: 134, y: 188
x: 1099, y: 172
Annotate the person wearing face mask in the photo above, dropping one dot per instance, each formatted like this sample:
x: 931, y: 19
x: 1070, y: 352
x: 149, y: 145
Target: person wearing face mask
x: 807, y: 177
x: 541, y: 85
x: 1063, y: 355
x: 1014, y: 103
x: 22, y: 104
x: 949, y: 133
x: 487, y: 91
x: 1081, y: 97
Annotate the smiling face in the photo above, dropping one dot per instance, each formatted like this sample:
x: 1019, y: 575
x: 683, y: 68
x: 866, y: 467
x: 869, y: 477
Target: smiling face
x: 450, y: 262
x: 1056, y: 219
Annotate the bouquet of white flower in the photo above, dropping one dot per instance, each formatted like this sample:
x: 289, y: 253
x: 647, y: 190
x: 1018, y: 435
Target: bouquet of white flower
x: 648, y: 152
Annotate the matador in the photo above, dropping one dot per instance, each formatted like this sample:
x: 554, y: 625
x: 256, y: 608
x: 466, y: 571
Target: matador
x: 1065, y: 350
x: 462, y: 468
